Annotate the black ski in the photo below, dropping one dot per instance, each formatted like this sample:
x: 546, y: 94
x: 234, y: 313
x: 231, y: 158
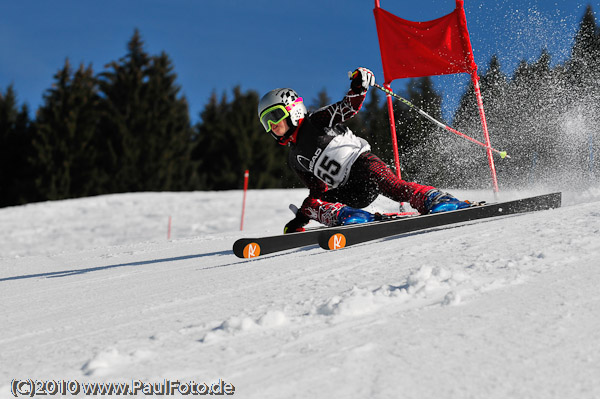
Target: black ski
x: 340, y: 237
x: 254, y: 247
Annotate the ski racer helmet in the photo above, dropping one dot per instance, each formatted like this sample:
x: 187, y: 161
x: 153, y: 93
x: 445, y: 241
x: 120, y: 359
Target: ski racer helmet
x: 278, y: 105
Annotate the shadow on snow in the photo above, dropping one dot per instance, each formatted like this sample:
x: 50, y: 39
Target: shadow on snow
x: 66, y: 273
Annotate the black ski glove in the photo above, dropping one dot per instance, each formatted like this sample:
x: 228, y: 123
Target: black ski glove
x: 296, y: 225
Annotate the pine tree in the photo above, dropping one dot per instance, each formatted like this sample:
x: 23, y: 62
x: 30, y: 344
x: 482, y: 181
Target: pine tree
x: 469, y: 161
x: 170, y: 161
x: 583, y: 70
x: 66, y: 136
x: 206, y: 148
x: 498, y: 112
x: 230, y: 139
x: 539, y: 116
x: 146, y: 123
x: 542, y: 103
x: 16, y: 173
x: 584, y: 65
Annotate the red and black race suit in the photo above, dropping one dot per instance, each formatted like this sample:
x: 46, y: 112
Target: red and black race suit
x: 338, y: 167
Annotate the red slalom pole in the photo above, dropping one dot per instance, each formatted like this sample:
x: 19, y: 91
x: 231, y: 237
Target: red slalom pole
x: 486, y: 135
x: 393, y: 132
x: 169, y: 229
x: 246, y: 174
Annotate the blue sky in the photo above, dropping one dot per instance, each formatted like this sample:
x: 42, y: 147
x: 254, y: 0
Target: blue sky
x: 216, y: 45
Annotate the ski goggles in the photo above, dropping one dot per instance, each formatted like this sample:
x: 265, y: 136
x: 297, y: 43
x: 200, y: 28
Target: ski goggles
x: 277, y: 113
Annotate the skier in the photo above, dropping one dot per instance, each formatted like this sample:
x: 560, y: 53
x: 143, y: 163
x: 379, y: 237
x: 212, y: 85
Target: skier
x: 338, y: 167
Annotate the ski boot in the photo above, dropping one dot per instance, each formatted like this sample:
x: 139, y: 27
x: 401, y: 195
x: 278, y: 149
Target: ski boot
x: 348, y: 215
x: 437, y: 201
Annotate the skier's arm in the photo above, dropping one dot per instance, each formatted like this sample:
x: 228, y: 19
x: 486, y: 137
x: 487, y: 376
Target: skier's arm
x: 340, y: 112
x: 332, y: 213
x: 316, y: 188
x: 314, y: 208
x: 327, y: 213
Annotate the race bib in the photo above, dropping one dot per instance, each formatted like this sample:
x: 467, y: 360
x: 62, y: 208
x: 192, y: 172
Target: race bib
x: 333, y: 163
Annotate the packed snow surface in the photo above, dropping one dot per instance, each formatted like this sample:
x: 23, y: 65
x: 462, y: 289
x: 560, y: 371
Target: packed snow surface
x: 95, y: 290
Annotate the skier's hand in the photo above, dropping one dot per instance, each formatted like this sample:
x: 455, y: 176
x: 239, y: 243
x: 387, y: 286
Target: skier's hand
x: 362, y: 79
x: 296, y: 225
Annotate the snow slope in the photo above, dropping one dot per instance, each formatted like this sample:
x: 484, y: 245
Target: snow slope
x: 92, y: 290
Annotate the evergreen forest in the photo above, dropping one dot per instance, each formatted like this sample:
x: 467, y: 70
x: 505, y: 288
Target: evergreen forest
x: 128, y: 128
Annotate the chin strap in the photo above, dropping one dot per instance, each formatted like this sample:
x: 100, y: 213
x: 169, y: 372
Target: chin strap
x: 290, y: 136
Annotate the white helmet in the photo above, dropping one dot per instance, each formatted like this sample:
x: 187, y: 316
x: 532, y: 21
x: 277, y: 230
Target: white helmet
x: 278, y: 105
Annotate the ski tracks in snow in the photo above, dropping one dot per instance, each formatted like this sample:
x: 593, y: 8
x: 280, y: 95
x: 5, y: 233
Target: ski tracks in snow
x: 275, y: 326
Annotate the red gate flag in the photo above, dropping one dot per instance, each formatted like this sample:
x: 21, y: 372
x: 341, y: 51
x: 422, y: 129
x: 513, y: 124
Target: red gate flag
x: 415, y: 49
